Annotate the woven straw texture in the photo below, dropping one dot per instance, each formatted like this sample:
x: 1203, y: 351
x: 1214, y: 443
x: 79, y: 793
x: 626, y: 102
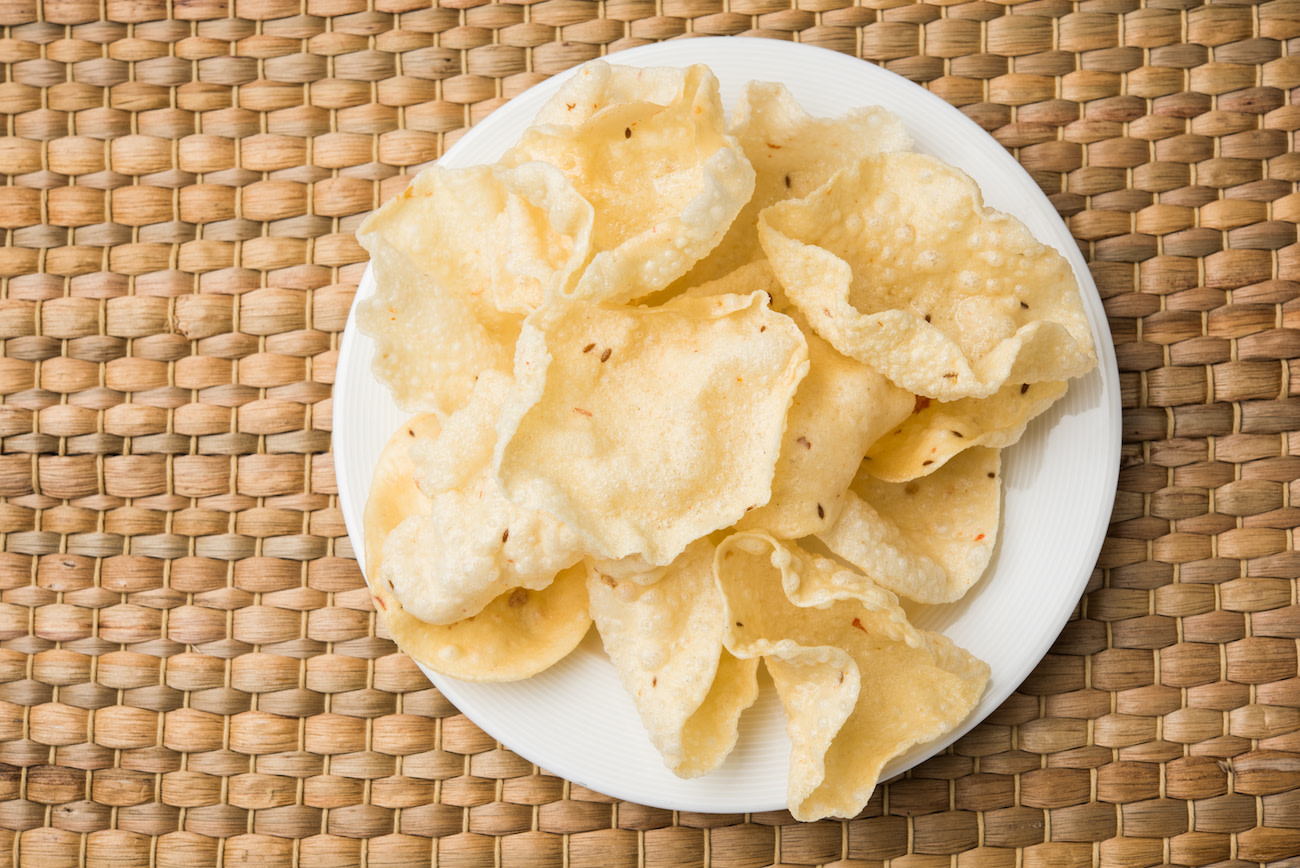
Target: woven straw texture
x: 190, y: 671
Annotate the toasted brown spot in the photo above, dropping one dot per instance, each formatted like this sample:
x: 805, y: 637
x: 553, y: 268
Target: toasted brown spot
x: 505, y: 534
x: 926, y: 463
x: 803, y: 441
x: 582, y: 411
x: 957, y: 433
x: 1024, y: 305
x: 519, y: 597
x: 993, y: 476
x: 858, y: 624
x: 920, y: 404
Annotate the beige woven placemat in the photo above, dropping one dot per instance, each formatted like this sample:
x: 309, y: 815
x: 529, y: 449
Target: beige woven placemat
x: 189, y: 664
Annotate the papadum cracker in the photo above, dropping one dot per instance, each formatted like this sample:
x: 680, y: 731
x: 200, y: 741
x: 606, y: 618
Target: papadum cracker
x: 860, y: 684
x: 665, y: 641
x: 502, y: 238
x: 898, y: 263
x: 839, y: 410
x: 664, y: 178
x: 459, y: 258
x: 394, y: 494
x: 938, y: 430
x: 928, y: 539
x: 644, y: 429
x: 514, y: 636
x: 793, y: 153
x: 472, y: 544
x: 600, y: 85
x: 429, y: 345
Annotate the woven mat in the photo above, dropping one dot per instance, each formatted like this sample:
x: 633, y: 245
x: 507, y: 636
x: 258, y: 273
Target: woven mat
x: 190, y: 665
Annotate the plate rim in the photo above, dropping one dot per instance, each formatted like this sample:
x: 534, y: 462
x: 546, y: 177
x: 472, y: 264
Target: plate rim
x: 666, y: 53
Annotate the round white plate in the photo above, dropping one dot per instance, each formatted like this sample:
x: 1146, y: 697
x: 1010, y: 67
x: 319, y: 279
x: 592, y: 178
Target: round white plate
x: 574, y: 720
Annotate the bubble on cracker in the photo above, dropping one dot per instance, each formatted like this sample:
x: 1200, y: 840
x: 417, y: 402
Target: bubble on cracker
x: 898, y: 263
x: 646, y: 428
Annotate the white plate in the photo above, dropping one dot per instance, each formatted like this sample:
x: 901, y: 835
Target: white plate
x: 574, y: 720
